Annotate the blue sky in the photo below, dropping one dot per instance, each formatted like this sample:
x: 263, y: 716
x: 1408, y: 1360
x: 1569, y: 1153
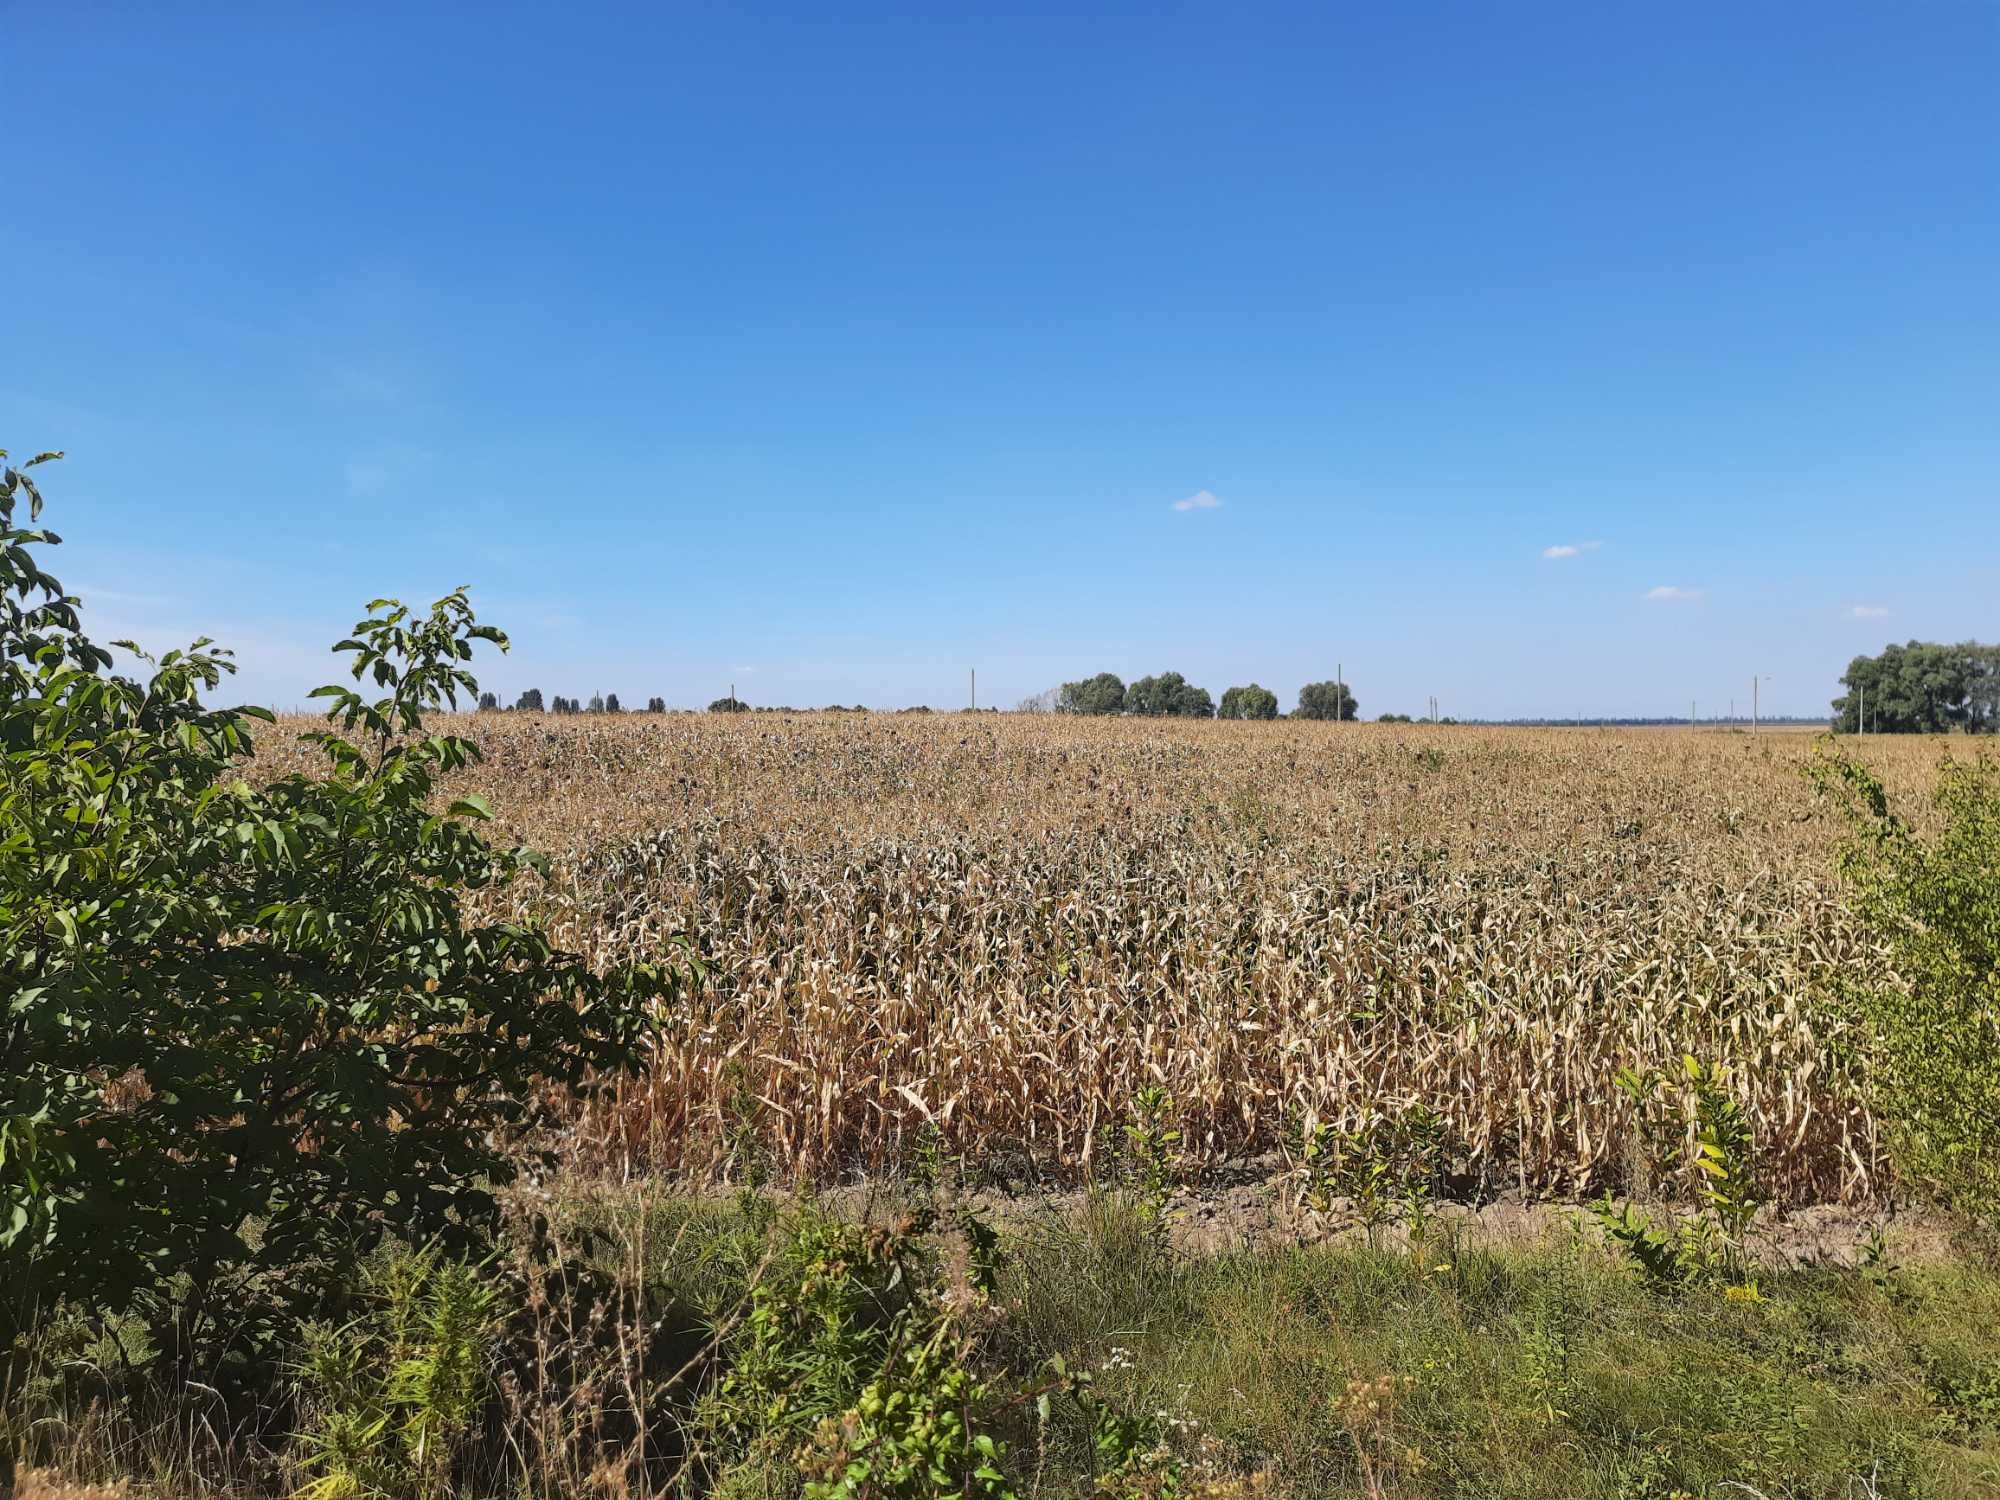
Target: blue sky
x: 830, y: 350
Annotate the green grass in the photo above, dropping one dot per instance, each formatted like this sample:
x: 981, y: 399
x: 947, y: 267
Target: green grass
x: 1528, y: 1372
x: 1542, y: 1371
x: 1495, y: 1370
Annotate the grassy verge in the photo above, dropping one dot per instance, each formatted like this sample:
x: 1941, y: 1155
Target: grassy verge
x: 631, y: 1351
x: 1478, y: 1369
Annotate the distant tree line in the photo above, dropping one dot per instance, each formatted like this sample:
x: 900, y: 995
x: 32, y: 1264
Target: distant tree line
x: 1921, y: 687
x: 532, y: 702
x: 1170, y: 695
x: 1165, y: 695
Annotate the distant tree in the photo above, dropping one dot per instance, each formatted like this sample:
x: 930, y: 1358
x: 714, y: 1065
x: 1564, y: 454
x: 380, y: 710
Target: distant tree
x: 915, y: 708
x: 530, y: 701
x: 1169, y: 695
x: 488, y: 702
x: 1047, y: 702
x: 1326, y: 700
x: 1252, y: 702
x: 1394, y: 719
x: 1982, y: 696
x: 1102, y: 694
x: 596, y: 704
x: 728, y: 706
x: 563, y: 705
x: 1922, y: 688
x: 656, y: 705
x: 612, y: 705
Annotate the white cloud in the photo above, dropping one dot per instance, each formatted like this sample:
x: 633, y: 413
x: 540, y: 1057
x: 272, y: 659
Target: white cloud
x: 1868, y: 612
x: 1669, y: 593
x: 1199, y: 500
x: 92, y: 595
x: 1570, y: 549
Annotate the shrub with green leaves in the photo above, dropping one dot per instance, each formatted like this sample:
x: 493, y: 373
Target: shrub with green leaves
x: 1712, y: 1244
x: 1936, y: 901
x: 393, y: 1394
x: 250, y: 1032
x: 852, y: 1364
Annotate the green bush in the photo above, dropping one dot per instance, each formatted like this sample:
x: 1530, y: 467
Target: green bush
x: 1327, y: 700
x: 393, y: 1395
x: 250, y: 1033
x: 1936, y: 901
x: 1252, y: 702
x: 1102, y: 694
x: 851, y: 1365
x: 1168, y: 695
x: 1710, y: 1246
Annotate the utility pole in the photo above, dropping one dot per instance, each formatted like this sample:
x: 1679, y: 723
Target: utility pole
x: 975, y: 689
x: 1690, y: 713
x: 1861, y: 715
x: 1339, y: 692
x: 1754, y: 683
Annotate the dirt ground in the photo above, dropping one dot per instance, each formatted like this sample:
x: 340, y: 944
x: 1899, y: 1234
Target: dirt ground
x: 1255, y: 1205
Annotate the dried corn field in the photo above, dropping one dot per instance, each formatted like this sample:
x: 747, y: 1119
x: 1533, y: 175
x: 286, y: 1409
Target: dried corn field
x: 1007, y: 926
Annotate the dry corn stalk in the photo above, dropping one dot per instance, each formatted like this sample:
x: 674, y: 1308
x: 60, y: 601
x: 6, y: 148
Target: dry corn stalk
x: 999, y: 929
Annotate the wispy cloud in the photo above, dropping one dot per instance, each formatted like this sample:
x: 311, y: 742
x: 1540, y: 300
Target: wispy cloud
x: 1199, y: 500
x: 1668, y: 593
x: 1570, y: 549
x: 91, y: 594
x: 1868, y: 612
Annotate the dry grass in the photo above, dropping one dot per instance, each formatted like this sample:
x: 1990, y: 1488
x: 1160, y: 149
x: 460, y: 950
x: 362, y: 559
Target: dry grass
x: 1008, y: 925
x: 49, y: 1484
